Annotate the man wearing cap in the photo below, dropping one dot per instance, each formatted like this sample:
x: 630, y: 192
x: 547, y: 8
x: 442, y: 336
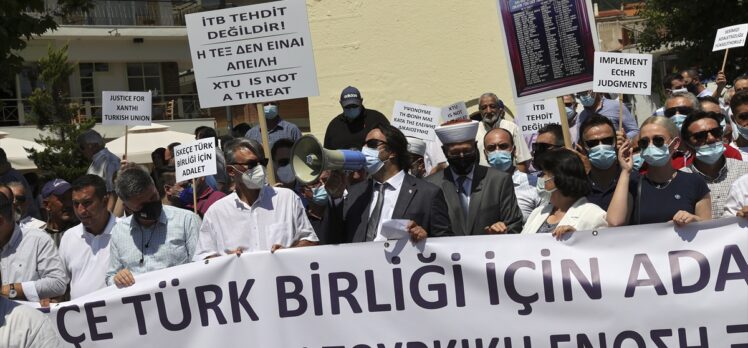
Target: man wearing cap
x: 481, y: 200
x: 349, y: 129
x: 388, y: 194
x: 104, y: 164
x: 256, y: 217
x: 492, y: 111
x: 57, y: 200
x: 278, y: 128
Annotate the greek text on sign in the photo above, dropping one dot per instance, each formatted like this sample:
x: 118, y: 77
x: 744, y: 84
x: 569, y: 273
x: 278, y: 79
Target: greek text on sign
x: 533, y: 116
x: 456, y: 111
x: 196, y: 159
x: 626, y: 73
x: 416, y: 120
x: 730, y: 37
x: 126, y: 108
x: 252, y: 54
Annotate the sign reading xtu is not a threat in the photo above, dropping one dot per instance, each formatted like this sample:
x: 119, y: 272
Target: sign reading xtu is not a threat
x: 252, y: 54
x: 126, y: 108
x: 623, y: 73
x: 195, y: 159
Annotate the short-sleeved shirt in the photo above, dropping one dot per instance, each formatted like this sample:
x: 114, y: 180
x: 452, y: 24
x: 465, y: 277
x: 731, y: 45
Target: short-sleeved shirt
x: 344, y: 134
x: 660, y: 204
x: 104, y: 165
x: 283, y: 130
x: 601, y: 196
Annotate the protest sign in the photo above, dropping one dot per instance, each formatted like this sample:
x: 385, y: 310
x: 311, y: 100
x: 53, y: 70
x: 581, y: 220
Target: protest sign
x: 126, y: 108
x: 456, y: 111
x: 626, y: 73
x: 416, y: 120
x: 252, y: 54
x: 533, y: 116
x: 730, y: 37
x: 195, y: 159
x: 592, y: 289
x: 550, y: 45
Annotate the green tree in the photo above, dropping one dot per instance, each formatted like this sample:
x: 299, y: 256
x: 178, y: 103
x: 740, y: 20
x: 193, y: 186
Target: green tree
x: 688, y: 28
x: 51, y: 111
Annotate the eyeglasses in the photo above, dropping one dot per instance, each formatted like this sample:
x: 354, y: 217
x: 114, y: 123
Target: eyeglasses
x: 700, y: 137
x: 594, y: 142
x: 284, y: 162
x: 542, y: 147
x: 502, y: 146
x: 683, y: 110
x: 657, y: 140
x: 584, y: 94
x: 374, y: 143
x: 568, y: 105
x: 19, y: 199
x: 742, y: 116
x: 351, y: 106
x: 452, y: 156
x: 250, y: 164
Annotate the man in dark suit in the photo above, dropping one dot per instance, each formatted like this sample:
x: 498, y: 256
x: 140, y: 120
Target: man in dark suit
x: 388, y: 193
x: 481, y: 200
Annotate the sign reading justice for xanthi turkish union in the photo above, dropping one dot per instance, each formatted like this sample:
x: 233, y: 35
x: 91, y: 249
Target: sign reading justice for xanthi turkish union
x: 252, y: 54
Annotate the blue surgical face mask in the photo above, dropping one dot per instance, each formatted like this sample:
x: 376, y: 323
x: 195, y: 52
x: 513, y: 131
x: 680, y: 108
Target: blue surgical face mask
x: 587, y: 100
x: 271, y: 111
x: 638, y: 161
x: 501, y: 160
x: 353, y: 113
x: 319, y: 195
x: 656, y: 156
x: 710, y: 153
x: 678, y: 120
x: 373, y: 163
x: 743, y: 131
x: 570, y: 113
x: 602, y: 156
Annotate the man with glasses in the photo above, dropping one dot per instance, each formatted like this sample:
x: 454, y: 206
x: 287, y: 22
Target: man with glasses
x: 672, y: 83
x: 481, y: 200
x: 21, y: 205
x: 550, y: 136
x: 739, y: 107
x: 594, y: 103
x: 703, y: 134
x: 349, y: 128
x: 492, y: 111
x: 104, y: 164
x: 277, y: 128
x: 256, y: 216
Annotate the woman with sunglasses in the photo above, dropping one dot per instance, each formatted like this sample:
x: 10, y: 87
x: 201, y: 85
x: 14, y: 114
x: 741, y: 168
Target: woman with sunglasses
x: 564, y: 182
x: 664, y: 194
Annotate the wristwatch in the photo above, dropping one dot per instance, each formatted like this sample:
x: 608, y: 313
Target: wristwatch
x: 12, y: 292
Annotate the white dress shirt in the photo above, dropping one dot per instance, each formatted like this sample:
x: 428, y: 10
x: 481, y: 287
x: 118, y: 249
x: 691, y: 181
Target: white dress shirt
x: 738, y: 196
x: 276, y: 217
x: 527, y: 194
x: 86, y: 258
x: 390, y: 199
x: 25, y: 326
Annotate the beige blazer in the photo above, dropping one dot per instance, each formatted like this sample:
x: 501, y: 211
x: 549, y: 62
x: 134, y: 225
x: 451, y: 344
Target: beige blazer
x: 582, y: 216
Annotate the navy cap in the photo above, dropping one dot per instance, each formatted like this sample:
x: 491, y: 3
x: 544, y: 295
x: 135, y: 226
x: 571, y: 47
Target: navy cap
x: 56, y: 187
x: 350, y: 96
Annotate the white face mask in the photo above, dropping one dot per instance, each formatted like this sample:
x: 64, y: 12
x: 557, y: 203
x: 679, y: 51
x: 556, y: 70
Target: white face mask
x: 285, y: 174
x: 254, y: 179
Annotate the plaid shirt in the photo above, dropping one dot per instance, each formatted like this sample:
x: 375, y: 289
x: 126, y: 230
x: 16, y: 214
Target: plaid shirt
x: 720, y: 186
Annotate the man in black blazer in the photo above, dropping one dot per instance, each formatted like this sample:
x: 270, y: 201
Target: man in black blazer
x: 388, y: 193
x: 481, y: 200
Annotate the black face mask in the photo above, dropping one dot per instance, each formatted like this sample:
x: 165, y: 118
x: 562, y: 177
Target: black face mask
x: 462, y: 165
x: 150, y: 211
x: 692, y: 88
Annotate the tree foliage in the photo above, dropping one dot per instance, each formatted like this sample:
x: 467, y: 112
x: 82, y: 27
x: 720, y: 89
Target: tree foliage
x: 688, y: 28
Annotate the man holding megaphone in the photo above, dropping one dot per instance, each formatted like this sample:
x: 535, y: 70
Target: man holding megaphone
x: 388, y: 193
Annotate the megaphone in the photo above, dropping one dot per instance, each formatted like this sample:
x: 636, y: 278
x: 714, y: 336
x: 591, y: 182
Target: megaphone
x: 309, y: 159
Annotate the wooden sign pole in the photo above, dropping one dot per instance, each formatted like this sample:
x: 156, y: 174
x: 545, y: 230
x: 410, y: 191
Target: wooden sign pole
x: 564, y: 122
x: 266, y: 144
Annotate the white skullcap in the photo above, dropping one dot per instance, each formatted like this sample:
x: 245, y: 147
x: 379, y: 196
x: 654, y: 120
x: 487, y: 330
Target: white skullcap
x: 416, y: 146
x: 457, y: 132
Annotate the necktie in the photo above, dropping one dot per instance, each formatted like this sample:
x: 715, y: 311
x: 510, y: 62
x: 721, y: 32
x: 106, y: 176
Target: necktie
x: 463, y: 195
x: 371, y: 227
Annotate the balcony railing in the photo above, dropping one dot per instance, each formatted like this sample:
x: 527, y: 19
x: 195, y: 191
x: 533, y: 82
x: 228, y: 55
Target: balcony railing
x: 136, y: 13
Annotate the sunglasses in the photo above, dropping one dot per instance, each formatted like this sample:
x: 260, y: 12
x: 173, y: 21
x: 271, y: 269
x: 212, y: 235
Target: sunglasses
x: 250, y: 164
x: 374, y: 143
x: 700, y: 137
x: 542, y: 147
x: 683, y: 110
x: 742, y: 116
x: 284, y: 162
x: 502, y: 146
x: 657, y: 140
x: 594, y: 142
x: 568, y: 105
x: 19, y: 199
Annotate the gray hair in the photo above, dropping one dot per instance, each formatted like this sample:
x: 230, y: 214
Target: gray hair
x: 16, y: 184
x: 132, y: 181
x: 233, y: 145
x: 491, y: 95
x: 90, y: 137
x: 692, y: 98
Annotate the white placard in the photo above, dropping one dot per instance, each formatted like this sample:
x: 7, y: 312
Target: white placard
x: 195, y: 159
x: 729, y: 37
x: 456, y: 111
x: 533, y: 116
x: 126, y: 108
x: 416, y: 120
x: 627, y: 73
x: 252, y: 54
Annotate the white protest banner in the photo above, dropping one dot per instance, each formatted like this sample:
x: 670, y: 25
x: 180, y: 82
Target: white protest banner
x: 195, y: 159
x: 638, y: 286
x: 456, y: 111
x: 252, y: 54
x: 627, y: 73
x: 533, y: 116
x: 416, y: 120
x: 729, y: 37
x: 126, y: 108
